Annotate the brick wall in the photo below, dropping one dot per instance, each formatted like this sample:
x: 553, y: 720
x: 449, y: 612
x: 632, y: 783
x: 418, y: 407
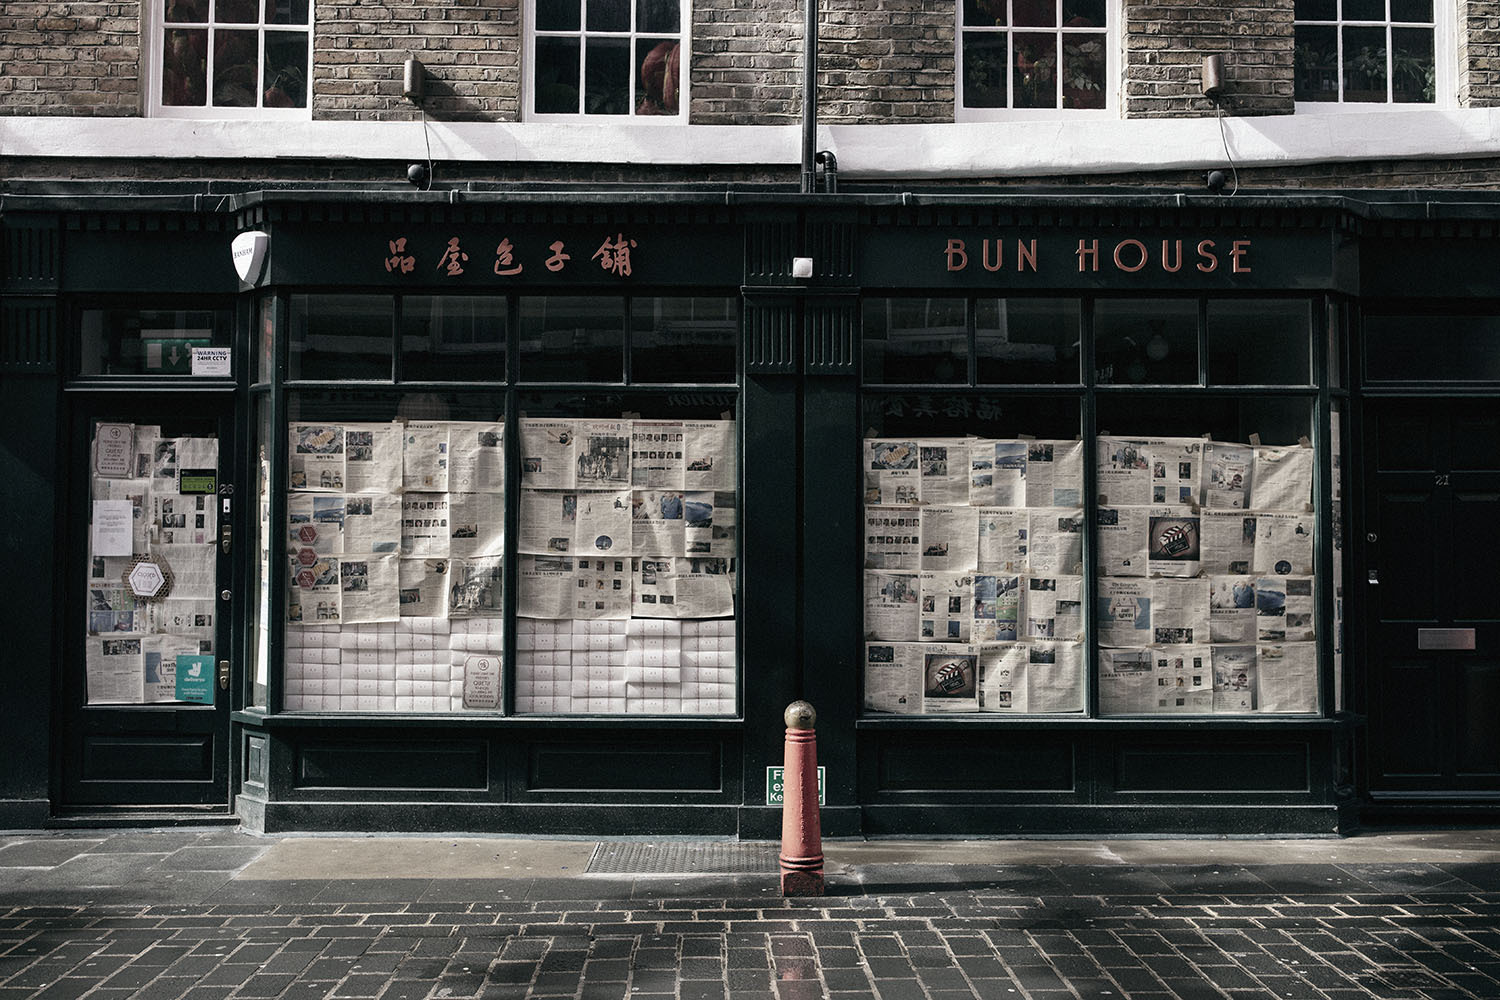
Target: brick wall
x: 886, y: 61
x: 70, y: 58
x: 1165, y: 41
x: 1478, y: 53
x: 746, y: 64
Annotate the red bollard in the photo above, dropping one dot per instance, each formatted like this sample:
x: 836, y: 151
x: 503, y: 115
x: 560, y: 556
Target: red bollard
x: 801, y: 825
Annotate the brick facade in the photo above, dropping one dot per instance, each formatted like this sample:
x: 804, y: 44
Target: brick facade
x: 1479, y: 53
x: 70, y: 58
x: 1165, y: 41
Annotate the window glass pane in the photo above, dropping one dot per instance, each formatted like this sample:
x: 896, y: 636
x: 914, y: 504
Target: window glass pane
x: 1317, y: 10
x: 184, y: 68
x: 658, y: 15
x: 1419, y: 11
x: 572, y: 338
x: 1035, y: 13
x: 683, y: 339
x: 1259, y: 342
x: 236, y: 11
x: 557, y: 15
x: 1364, y: 10
x: 658, y: 75
x: 1027, y: 340
x: 1035, y: 70
x: 1146, y: 341
x: 915, y: 340
x: 557, y: 76
x: 1337, y: 316
x: 608, y: 15
x: 1415, y: 68
x: 286, y: 11
x: 127, y: 341
x: 286, y: 70
x: 1084, y: 65
x: 1432, y: 348
x: 1083, y: 13
x: 1317, y: 58
x: 985, y: 72
x: 340, y: 336
x: 236, y: 54
x: 984, y: 13
x: 187, y: 10
x: 260, y: 633
x: 1364, y: 65
x: 458, y: 338
x: 606, y: 84
x: 266, y: 339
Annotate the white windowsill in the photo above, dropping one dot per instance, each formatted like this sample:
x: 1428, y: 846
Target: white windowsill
x: 967, y: 150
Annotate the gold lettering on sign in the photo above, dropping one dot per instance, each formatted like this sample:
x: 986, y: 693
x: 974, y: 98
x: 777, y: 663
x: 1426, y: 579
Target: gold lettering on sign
x: 1088, y: 250
x: 958, y: 258
x: 1176, y: 261
x: 1210, y: 260
x: 1238, y: 249
x: 1140, y: 255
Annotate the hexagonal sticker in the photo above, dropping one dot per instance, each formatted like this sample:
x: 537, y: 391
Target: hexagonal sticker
x: 146, y: 580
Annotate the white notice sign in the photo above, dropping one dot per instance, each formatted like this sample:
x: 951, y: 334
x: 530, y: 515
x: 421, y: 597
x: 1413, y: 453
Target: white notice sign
x: 112, y: 527
x: 211, y: 361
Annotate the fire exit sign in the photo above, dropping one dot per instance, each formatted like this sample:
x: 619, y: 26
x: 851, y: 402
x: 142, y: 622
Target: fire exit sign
x: 776, y: 786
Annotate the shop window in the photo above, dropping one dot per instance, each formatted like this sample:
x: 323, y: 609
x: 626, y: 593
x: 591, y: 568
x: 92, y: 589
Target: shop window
x: 606, y: 58
x: 1146, y: 342
x: 916, y: 341
x: 1035, y: 57
x: 157, y: 342
x: 572, y: 338
x: 340, y: 336
x: 683, y: 339
x: 1354, y: 53
x: 453, y: 338
x: 1432, y: 348
x: 231, y: 58
x: 1259, y: 342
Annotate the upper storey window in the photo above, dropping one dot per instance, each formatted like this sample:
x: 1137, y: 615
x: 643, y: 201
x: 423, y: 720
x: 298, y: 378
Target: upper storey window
x: 1026, y: 58
x: 231, y: 58
x: 606, y: 57
x: 1369, y: 52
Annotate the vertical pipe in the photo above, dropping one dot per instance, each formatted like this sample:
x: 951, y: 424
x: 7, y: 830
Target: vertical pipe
x: 809, y: 95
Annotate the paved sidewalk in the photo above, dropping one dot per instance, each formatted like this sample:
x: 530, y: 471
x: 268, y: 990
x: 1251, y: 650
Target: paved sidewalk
x: 211, y: 914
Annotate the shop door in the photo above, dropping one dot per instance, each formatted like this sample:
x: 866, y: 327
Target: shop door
x: 144, y: 715
x: 1432, y: 632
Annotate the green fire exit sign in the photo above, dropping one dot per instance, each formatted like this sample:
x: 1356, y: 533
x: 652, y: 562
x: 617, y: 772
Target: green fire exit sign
x: 776, y: 786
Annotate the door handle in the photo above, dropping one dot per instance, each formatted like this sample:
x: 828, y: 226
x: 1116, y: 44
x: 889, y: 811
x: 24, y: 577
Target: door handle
x: 224, y: 538
x: 1373, y: 577
x: 223, y: 675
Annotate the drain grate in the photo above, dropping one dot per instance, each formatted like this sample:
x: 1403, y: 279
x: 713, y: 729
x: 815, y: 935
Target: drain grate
x: 616, y: 858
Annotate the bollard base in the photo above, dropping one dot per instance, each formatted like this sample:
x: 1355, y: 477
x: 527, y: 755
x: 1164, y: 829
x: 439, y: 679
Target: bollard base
x: 802, y: 883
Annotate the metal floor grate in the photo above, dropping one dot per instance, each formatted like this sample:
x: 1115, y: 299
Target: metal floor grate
x: 615, y: 858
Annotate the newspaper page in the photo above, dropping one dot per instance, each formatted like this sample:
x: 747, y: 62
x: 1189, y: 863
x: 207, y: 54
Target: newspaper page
x: 1179, y: 611
x: 476, y: 524
x: 313, y: 596
x: 1002, y: 539
x: 424, y: 455
x: 708, y: 523
x: 1054, y: 541
x: 547, y: 520
x: 317, y: 457
x: 1234, y: 679
x: 997, y: 608
x: 656, y: 523
x: 1282, y: 478
x: 1283, y: 544
x: 1184, y: 680
x: 1122, y: 534
x: 602, y: 523
x: 112, y: 607
x: 1176, y: 472
x: 194, y: 570
x: 709, y: 455
x: 602, y: 588
x: 188, y: 619
x: 1002, y: 677
x: 1054, y: 608
x: 998, y: 473
x: 116, y: 670
x: 891, y: 537
x: 1124, y: 617
x: 892, y: 606
x: 1124, y: 473
x: 547, y: 453
x: 603, y: 455
x: 1288, y: 677
x: 475, y: 587
x: 370, y: 589
x: 372, y: 522
x: 1174, y: 542
x: 950, y: 539
x: 892, y: 673
x: 476, y: 456
x: 950, y: 678
x: 373, y: 458
x: 424, y: 524
x: 544, y: 586
x: 891, y: 474
x: 1228, y: 541
x: 178, y: 519
x: 1284, y: 609
x: 687, y: 588
x: 656, y: 448
x: 1231, y: 609
x: 1054, y: 474
x: 947, y: 606
x: 944, y: 468
x: 1127, y: 682
x: 424, y: 588
x: 1054, y: 676
x: 1227, y: 469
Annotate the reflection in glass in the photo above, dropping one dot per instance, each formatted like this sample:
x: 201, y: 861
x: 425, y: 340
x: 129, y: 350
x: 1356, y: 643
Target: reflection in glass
x: 608, y: 15
x: 1026, y: 340
x: 1083, y: 13
x: 1415, y: 77
x: 184, y: 68
x: 286, y: 70
x: 260, y: 634
x: 266, y: 320
x: 683, y: 339
x: 1365, y: 72
x: 658, y: 15
x: 1432, y: 348
x: 1317, y: 60
x: 606, y: 79
x: 1083, y: 74
x: 1035, y: 13
x: 564, y: 338
x: 286, y: 11
x: 985, y: 70
x: 179, y: 11
x: 458, y: 338
x: 1364, y: 10
x: 984, y: 13
x: 1317, y: 10
x: 1259, y: 342
x: 1146, y: 341
x: 916, y: 340
x: 557, y: 76
x: 340, y: 336
x: 1416, y: 11
x: 557, y: 15
x: 1035, y: 70
x: 236, y: 11
x: 235, y: 56
x: 147, y: 341
x: 659, y: 62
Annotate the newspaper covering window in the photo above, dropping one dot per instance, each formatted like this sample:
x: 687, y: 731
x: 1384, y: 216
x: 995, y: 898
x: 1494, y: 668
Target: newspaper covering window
x: 973, y: 595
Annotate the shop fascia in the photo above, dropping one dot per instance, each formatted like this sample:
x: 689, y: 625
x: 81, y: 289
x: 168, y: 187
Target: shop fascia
x: 1089, y: 254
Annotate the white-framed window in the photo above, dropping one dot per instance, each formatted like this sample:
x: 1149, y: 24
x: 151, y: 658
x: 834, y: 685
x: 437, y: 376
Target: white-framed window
x: 1037, y: 58
x: 1366, y: 55
x: 602, y: 59
x: 229, y: 58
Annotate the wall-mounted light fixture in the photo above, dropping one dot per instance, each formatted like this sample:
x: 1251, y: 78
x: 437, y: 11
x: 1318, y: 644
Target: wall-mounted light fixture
x: 802, y: 268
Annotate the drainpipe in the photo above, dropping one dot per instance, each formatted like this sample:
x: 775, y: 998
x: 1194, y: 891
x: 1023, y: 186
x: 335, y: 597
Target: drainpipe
x: 809, y: 95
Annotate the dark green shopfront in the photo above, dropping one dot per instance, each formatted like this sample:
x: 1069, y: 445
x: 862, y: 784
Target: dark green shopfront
x: 1084, y: 514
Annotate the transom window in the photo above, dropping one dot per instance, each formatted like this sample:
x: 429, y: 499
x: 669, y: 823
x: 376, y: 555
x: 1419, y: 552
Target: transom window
x: 1367, y: 52
x: 606, y: 57
x: 1017, y: 56
x: 231, y: 58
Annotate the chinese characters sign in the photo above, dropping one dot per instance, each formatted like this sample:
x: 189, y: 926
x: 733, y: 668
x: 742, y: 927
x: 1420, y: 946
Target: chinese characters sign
x: 450, y: 258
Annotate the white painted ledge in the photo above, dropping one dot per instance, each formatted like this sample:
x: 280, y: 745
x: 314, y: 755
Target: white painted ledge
x: 884, y: 152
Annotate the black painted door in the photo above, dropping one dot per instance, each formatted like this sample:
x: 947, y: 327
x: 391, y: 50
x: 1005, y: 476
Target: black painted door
x: 1432, y: 549
x: 146, y: 637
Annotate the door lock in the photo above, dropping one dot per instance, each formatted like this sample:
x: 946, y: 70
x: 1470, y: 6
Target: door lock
x: 1373, y: 577
x: 224, y: 537
x: 223, y: 675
